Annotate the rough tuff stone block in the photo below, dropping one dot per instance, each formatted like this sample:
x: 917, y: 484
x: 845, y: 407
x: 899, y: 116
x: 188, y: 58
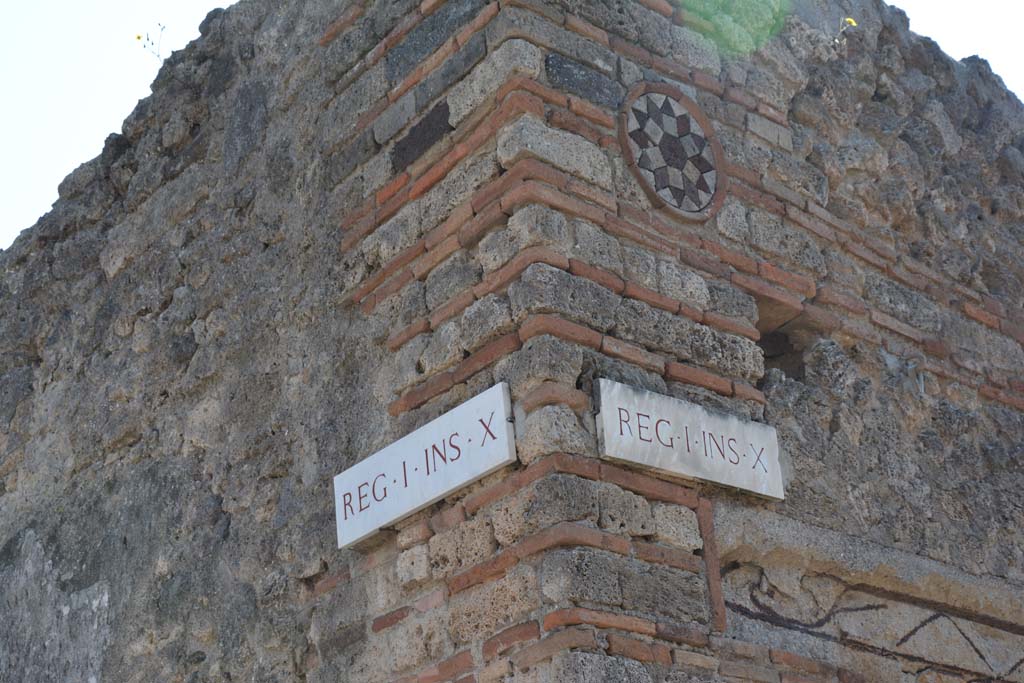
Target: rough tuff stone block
x: 677, y: 526
x: 345, y: 160
x: 726, y: 353
x: 534, y: 225
x: 514, y: 21
x: 227, y: 383
x: 397, y: 234
x: 623, y: 512
x: 597, y: 248
x: 428, y: 36
x: 764, y: 84
x: 589, y: 667
x: 745, y: 410
x: 411, y: 643
x: 732, y: 220
x: 789, y: 176
x: 544, y: 289
x: 732, y: 302
x: 451, y: 278
x: 402, y: 369
x: 513, y: 57
x: 581, y: 575
x: 394, y: 118
x: 770, y: 131
x: 455, y: 189
x: 461, y: 547
x: 627, y: 189
x: 654, y: 328
x: 640, y: 266
x: 343, y: 113
x: 497, y: 248
x: 597, y: 365
x: 413, y: 566
x: 682, y: 284
x: 656, y: 590
x: 542, y: 359
x: 951, y: 140
x: 558, y: 498
x: 552, y: 429
x: 444, y: 349
x: 484, y: 320
x: 902, y: 302
x: 538, y: 225
x: 768, y: 233
x: 579, y: 79
x: 453, y: 69
x: 485, y: 609
x: 530, y: 137
x: 695, y: 51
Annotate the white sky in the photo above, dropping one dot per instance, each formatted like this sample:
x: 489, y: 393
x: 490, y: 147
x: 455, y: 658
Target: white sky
x: 72, y: 71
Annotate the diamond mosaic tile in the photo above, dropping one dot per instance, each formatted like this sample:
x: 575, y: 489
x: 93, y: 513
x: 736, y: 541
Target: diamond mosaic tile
x: 672, y: 152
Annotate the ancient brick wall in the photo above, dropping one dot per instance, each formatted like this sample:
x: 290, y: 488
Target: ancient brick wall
x: 333, y: 222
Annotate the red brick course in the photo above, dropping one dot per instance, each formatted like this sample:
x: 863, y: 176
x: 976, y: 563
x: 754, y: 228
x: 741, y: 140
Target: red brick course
x: 670, y: 557
x: 561, y: 641
x: 639, y: 650
x: 604, y: 278
x: 733, y: 258
x: 649, y: 487
x: 550, y: 393
x: 678, y: 372
x: 761, y: 289
x: 501, y: 278
x: 513, y: 635
x: 981, y: 315
x: 499, y: 348
x: 578, y: 615
x: 706, y: 521
x: 640, y: 293
x: 662, y: 7
x: 682, y: 634
x: 523, y: 95
x: 631, y: 353
x: 450, y: 668
x: 586, y: 29
x: 746, y: 392
x: 390, y: 619
x: 801, y: 284
x: 890, y: 323
x: 348, y: 17
x: 794, y: 661
x: 537, y: 325
x: 731, y: 325
x: 518, y: 186
x: 748, y: 672
x: 330, y: 582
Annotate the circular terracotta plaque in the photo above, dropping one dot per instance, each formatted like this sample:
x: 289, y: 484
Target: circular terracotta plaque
x: 672, y: 149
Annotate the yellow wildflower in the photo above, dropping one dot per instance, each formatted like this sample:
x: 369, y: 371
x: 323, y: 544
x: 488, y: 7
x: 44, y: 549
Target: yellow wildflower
x: 850, y: 22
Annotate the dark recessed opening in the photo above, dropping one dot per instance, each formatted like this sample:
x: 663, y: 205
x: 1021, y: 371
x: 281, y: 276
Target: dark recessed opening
x: 781, y: 353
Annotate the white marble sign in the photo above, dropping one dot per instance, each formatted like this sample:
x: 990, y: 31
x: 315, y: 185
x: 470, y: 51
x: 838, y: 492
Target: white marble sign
x: 461, y: 446
x: 683, y: 438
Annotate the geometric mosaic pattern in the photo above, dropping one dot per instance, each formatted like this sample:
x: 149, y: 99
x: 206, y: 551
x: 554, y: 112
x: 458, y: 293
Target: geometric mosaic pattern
x: 672, y: 152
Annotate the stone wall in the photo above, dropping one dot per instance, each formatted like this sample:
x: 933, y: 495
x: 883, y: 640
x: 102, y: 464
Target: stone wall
x: 332, y: 222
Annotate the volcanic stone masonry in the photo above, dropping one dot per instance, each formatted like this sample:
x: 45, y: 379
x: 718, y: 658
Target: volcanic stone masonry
x: 334, y: 221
